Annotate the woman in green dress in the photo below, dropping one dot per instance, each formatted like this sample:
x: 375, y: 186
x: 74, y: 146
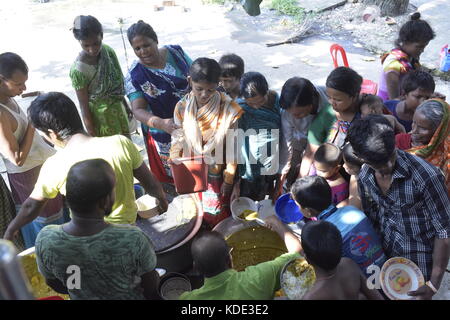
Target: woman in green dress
x: 98, y: 80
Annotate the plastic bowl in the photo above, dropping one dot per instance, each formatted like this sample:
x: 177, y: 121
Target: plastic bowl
x: 148, y: 206
x: 287, y: 210
x: 241, y: 204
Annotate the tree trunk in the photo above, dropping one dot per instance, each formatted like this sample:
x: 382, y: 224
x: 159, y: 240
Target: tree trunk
x: 390, y: 7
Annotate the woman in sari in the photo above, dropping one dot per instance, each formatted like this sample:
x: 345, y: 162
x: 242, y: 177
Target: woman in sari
x: 154, y: 85
x: 343, y: 88
x: 98, y: 80
x: 204, y: 116
x: 430, y: 136
x: 22, y: 149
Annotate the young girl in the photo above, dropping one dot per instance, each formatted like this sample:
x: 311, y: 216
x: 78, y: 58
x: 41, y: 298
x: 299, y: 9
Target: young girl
x: 371, y: 104
x: 300, y: 101
x: 343, y: 88
x: 352, y: 165
x: 203, y: 116
x: 97, y: 78
x: 261, y: 124
x: 417, y: 86
x: 23, y: 150
x: 327, y: 163
x: 414, y: 36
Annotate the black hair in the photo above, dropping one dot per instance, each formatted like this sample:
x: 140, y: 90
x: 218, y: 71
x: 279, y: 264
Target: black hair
x: 141, y: 28
x: 345, y: 80
x: 350, y: 156
x: 371, y: 100
x: 417, y: 79
x: 210, y: 253
x: 232, y: 66
x: 55, y: 111
x: 11, y: 62
x: 299, y: 92
x: 88, y: 182
x: 312, y: 192
x: 415, y: 30
x: 329, y: 154
x: 205, y: 69
x: 372, y: 139
x: 253, y: 84
x: 85, y: 27
x: 322, y: 244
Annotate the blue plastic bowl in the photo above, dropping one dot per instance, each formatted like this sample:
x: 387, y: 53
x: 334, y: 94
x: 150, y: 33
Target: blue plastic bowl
x: 287, y: 210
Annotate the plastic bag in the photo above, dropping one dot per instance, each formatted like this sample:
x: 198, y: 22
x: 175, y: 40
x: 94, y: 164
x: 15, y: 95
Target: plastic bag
x: 445, y: 59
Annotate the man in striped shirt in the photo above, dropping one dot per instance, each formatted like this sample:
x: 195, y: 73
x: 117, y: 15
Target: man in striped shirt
x: 406, y: 199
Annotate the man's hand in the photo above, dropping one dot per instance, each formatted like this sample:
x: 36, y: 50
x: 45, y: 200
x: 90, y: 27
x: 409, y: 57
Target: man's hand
x: 163, y: 205
x: 423, y: 293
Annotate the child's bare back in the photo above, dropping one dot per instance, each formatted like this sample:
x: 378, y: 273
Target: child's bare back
x: 347, y: 283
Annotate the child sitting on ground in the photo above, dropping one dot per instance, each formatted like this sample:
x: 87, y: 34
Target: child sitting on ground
x: 337, y: 278
x: 352, y: 165
x: 371, y: 104
x: 232, y: 70
x: 360, y: 242
x: 327, y: 163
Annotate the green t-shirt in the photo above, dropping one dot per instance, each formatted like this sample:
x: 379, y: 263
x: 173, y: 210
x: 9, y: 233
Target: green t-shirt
x: 110, y: 262
x: 254, y: 283
x: 118, y: 151
x: 321, y: 126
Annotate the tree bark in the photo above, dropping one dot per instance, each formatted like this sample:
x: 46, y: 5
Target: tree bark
x: 390, y: 7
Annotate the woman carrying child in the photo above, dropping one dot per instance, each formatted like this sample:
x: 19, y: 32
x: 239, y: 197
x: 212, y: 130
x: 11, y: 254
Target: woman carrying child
x: 414, y: 36
x: 23, y: 150
x: 261, y: 124
x: 204, y: 117
x: 98, y: 80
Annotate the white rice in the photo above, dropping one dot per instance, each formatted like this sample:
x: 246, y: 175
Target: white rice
x: 294, y: 287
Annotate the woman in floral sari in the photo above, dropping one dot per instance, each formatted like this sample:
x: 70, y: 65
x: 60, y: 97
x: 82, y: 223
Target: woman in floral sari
x: 204, y: 117
x: 97, y: 78
x: 154, y: 85
x: 430, y: 136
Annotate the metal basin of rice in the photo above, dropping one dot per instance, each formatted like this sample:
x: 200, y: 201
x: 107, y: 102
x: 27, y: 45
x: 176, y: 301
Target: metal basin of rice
x: 296, y: 278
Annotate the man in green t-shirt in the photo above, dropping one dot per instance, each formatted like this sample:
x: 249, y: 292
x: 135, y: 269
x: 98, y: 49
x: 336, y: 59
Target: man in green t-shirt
x: 89, y: 258
x: 56, y: 116
x: 211, y: 256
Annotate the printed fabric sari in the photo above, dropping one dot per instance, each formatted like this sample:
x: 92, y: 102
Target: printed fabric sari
x: 203, y: 131
x: 162, y: 89
x: 105, y: 86
x: 437, y: 151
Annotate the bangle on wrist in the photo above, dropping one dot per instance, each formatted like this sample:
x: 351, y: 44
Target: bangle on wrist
x: 431, y: 286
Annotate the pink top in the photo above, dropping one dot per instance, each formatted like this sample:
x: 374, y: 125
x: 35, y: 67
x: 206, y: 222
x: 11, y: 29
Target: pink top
x: 340, y: 192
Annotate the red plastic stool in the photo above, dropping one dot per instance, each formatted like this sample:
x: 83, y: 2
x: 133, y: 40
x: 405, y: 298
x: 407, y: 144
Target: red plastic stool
x: 368, y: 86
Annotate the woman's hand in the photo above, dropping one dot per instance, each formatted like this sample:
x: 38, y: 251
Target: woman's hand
x: 226, y: 189
x: 166, y: 125
x: 236, y: 191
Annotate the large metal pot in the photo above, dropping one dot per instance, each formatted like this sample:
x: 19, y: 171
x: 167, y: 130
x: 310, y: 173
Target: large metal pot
x: 177, y: 258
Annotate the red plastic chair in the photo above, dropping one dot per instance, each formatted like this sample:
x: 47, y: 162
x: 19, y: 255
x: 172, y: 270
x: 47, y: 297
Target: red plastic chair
x: 368, y: 86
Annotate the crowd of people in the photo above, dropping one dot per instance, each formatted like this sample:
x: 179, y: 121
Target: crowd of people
x: 370, y: 173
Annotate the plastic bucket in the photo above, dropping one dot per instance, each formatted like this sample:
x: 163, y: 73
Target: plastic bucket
x: 287, y: 210
x: 190, y: 174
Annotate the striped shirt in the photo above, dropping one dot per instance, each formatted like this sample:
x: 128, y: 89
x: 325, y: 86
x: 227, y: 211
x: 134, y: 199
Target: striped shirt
x: 415, y: 210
